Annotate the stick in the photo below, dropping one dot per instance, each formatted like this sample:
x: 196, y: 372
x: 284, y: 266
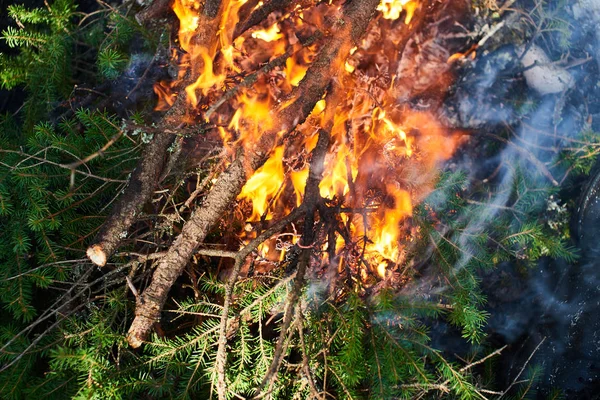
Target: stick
x: 311, y: 198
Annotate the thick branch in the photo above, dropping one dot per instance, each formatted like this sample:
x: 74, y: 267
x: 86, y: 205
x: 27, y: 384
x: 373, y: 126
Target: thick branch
x: 327, y: 65
x: 146, y: 175
x: 140, y: 187
x: 158, y: 9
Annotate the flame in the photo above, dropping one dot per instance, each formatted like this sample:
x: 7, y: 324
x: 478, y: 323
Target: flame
x: 294, y: 72
x: 335, y: 181
x: 386, y: 230
x: 187, y: 12
x: 270, y: 34
x: 252, y: 117
x: 206, y: 80
x: 264, y: 185
x: 392, y: 9
x: 166, y: 98
x: 298, y: 179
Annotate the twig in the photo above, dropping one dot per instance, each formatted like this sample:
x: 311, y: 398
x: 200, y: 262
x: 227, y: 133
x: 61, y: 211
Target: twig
x: 305, y: 363
x: 514, y: 382
x: 221, y: 357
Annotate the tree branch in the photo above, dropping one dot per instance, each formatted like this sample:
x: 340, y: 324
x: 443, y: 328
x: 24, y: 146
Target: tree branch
x: 146, y: 176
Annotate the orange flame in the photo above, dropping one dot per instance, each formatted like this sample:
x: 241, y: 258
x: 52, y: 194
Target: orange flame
x: 392, y: 9
x: 264, y: 186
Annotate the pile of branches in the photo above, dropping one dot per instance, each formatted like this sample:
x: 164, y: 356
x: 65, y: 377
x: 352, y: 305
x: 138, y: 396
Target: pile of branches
x: 347, y: 30
x: 317, y: 104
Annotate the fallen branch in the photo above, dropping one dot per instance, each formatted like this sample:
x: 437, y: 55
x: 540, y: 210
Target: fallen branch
x: 146, y: 175
x: 346, y: 32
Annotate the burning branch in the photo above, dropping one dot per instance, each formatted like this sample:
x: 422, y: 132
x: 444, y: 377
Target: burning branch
x: 145, y: 177
x: 347, y: 31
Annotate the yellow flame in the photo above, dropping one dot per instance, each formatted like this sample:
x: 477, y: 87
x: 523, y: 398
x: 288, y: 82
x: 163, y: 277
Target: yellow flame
x: 392, y: 9
x: 298, y: 179
x: 264, y: 185
x: 385, y: 232
x: 206, y: 80
x: 252, y: 117
x: 187, y: 12
x: 335, y: 179
x: 269, y: 34
x: 294, y: 72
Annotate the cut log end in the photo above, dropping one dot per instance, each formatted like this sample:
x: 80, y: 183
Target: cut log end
x: 140, y: 329
x: 97, y: 255
x: 133, y: 340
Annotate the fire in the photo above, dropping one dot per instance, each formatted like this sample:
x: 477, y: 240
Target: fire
x: 392, y: 9
x: 206, y: 80
x: 264, y: 186
x: 270, y: 34
x: 386, y: 230
x: 382, y: 160
x: 252, y: 116
x: 187, y: 12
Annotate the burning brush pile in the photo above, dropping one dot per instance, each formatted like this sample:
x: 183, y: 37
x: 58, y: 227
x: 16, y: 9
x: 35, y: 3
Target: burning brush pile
x: 318, y: 132
x: 311, y: 102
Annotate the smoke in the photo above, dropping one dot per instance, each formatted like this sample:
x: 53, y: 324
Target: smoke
x: 553, y: 300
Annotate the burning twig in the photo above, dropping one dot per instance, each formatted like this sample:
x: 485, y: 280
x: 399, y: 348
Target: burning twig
x: 259, y: 14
